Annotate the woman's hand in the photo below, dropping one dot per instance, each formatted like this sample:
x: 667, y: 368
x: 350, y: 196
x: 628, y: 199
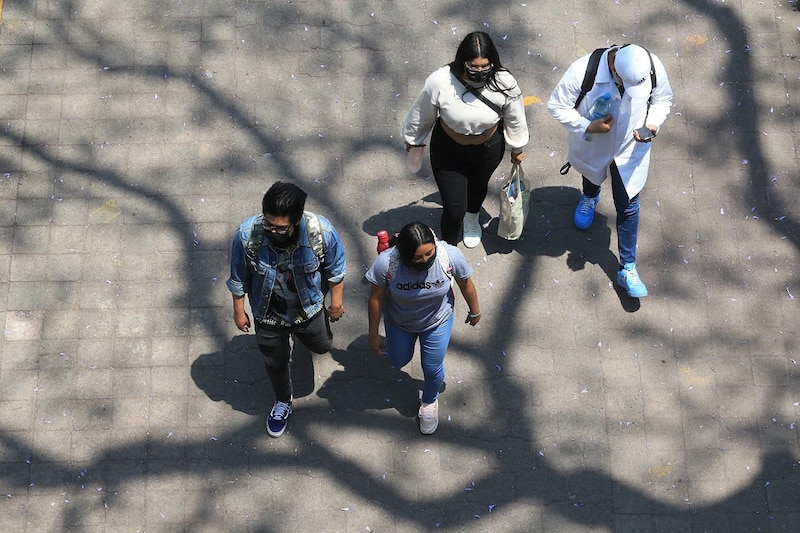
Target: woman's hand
x: 516, y: 159
x: 473, y: 318
x: 376, y: 344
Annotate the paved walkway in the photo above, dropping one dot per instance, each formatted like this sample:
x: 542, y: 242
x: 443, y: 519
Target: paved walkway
x: 136, y: 135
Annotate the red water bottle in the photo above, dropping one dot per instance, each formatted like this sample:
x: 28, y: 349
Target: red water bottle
x: 383, y: 240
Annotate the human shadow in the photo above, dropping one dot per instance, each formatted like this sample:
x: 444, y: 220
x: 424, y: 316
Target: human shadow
x: 369, y: 381
x: 237, y: 375
x: 427, y: 209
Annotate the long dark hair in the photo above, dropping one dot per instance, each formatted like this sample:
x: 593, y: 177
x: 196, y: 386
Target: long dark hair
x: 411, y: 237
x: 479, y: 44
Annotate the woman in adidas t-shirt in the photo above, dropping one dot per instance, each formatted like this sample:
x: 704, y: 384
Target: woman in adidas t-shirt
x: 411, y: 286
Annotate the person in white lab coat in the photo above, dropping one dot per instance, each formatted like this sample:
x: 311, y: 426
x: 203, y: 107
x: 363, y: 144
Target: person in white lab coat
x: 611, y: 144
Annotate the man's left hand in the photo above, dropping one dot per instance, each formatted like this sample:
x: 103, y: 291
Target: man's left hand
x: 334, y: 312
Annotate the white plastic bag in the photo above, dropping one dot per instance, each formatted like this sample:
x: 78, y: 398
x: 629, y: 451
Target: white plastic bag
x: 515, y: 196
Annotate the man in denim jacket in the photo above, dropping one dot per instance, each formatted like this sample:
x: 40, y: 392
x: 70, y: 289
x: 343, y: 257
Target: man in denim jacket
x: 286, y: 278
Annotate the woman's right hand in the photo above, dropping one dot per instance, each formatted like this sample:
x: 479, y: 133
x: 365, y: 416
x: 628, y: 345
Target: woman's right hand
x: 376, y: 343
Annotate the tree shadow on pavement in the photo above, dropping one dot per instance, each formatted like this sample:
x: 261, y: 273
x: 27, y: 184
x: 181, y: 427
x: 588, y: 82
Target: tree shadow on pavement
x: 584, y: 495
x: 426, y: 210
x: 237, y: 375
x: 368, y: 381
x: 550, y: 231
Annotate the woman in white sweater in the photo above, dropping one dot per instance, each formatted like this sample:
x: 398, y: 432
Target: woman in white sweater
x: 474, y: 107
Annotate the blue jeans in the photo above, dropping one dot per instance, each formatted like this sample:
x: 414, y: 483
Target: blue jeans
x: 627, y: 214
x: 433, y: 345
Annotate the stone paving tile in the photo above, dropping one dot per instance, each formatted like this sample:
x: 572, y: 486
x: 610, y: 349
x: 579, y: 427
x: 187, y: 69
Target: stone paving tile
x: 135, y: 137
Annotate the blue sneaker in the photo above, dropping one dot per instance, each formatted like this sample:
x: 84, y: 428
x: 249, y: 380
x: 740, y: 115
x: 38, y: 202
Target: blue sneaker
x: 278, y: 418
x: 628, y: 279
x: 584, y: 213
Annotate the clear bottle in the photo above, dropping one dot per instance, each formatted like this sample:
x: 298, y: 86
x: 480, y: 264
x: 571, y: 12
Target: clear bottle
x: 513, y: 192
x: 414, y: 159
x: 600, y: 108
x: 383, y: 240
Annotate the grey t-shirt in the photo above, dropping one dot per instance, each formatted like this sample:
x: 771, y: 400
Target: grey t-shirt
x: 418, y: 301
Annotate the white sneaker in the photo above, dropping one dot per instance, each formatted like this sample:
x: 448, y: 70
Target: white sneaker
x: 429, y: 417
x: 472, y: 230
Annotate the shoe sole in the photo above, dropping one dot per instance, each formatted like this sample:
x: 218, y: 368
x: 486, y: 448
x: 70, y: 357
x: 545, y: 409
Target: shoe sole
x: 431, y: 431
x: 275, y: 434
x: 635, y: 295
x: 623, y: 287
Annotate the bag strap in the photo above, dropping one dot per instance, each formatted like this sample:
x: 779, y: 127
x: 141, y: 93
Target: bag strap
x: 316, y: 238
x: 477, y: 94
x: 591, y: 74
x: 485, y: 100
x: 254, y: 241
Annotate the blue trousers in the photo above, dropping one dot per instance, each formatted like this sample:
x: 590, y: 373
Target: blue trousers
x: 627, y: 214
x: 433, y: 345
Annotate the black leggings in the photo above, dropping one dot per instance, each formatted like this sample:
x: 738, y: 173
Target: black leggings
x: 462, y: 174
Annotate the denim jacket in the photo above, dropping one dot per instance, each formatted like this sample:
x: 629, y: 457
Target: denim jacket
x: 311, y: 276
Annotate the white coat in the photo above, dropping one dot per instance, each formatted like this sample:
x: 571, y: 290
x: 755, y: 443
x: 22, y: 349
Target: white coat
x: 591, y: 154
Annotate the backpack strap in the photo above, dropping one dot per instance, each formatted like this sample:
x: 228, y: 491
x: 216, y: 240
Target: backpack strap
x: 255, y: 240
x: 444, y: 261
x: 591, y: 74
x: 315, y: 236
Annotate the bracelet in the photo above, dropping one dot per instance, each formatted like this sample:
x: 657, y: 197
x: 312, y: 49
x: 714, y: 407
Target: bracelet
x: 475, y: 315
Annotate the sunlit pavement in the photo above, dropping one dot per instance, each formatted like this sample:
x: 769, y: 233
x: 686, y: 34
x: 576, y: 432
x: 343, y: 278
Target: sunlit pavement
x: 137, y: 135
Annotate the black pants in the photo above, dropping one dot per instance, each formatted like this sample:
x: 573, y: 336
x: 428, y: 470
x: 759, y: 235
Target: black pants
x: 273, y: 341
x: 462, y: 174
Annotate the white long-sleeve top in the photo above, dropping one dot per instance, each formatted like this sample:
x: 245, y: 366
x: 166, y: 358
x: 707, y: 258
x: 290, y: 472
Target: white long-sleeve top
x: 591, y: 154
x: 447, y: 97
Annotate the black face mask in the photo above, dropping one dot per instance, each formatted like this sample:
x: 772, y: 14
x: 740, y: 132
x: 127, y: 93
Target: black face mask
x: 477, y: 78
x: 281, y: 241
x: 423, y: 266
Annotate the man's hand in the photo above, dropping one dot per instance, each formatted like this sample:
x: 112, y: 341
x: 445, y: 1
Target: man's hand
x: 601, y: 125
x: 242, y: 321
x: 239, y: 315
x: 334, y: 312
x: 638, y: 138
